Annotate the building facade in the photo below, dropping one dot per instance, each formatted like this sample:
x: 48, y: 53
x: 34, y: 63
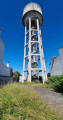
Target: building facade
x: 56, y: 65
x: 4, y: 70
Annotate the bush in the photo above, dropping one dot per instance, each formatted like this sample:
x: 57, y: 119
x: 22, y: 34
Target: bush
x: 14, y: 79
x: 58, y: 86
x: 56, y: 82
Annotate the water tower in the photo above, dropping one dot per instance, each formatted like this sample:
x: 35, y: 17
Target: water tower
x: 33, y: 48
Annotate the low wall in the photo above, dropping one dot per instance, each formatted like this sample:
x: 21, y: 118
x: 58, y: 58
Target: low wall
x: 4, y: 70
x: 5, y: 79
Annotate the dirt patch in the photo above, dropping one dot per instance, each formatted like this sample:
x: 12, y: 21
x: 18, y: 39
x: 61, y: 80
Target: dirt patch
x: 54, y: 99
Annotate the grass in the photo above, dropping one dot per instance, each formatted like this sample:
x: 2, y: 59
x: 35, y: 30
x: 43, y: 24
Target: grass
x: 54, y: 83
x: 45, y: 85
x: 17, y: 103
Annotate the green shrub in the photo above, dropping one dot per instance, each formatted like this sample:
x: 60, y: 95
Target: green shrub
x: 56, y: 82
x: 58, y: 86
x: 14, y: 79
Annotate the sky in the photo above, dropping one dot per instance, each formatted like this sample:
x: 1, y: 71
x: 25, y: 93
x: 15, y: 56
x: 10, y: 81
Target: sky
x: 13, y: 30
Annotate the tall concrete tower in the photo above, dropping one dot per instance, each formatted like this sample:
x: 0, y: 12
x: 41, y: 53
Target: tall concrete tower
x: 33, y: 48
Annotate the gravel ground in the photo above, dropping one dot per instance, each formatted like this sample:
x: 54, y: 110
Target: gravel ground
x: 54, y: 99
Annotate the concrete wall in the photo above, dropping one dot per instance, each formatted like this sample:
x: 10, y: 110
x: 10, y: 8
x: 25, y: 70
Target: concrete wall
x: 61, y: 59
x: 56, y: 65
x: 4, y: 80
x: 21, y: 79
x: 4, y: 70
x: 2, y: 46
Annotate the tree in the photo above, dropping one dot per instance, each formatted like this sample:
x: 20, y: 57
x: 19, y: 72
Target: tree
x: 11, y: 72
x: 48, y: 74
x: 15, y: 77
x: 18, y: 73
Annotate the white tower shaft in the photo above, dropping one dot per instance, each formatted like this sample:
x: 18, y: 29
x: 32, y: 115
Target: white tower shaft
x: 33, y: 46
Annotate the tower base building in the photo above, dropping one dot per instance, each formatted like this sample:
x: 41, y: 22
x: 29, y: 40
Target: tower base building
x: 4, y: 70
x: 56, y: 65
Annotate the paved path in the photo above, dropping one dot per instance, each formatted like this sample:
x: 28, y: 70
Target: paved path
x: 53, y: 98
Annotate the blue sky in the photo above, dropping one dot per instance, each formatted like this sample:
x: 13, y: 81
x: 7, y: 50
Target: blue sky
x: 13, y: 32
